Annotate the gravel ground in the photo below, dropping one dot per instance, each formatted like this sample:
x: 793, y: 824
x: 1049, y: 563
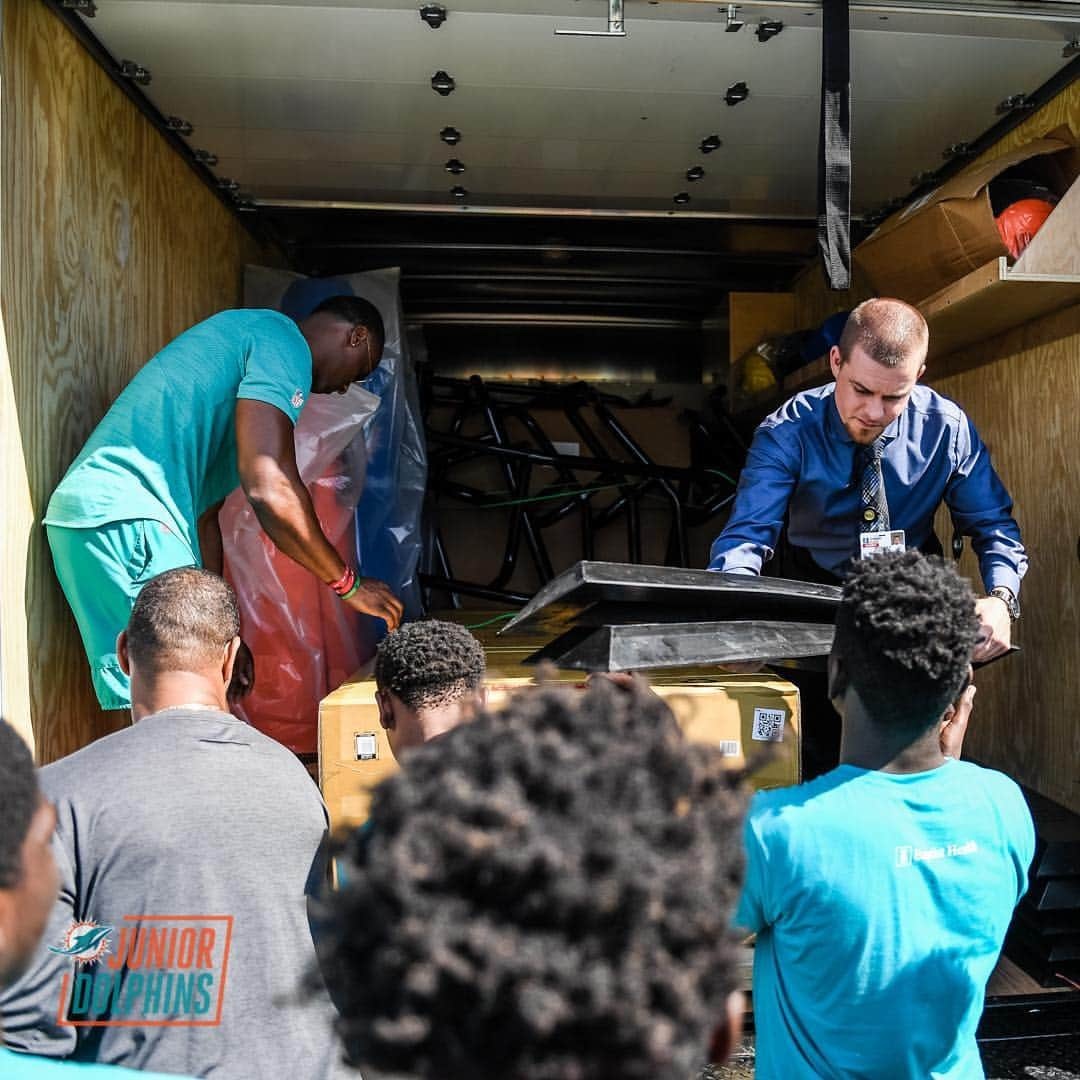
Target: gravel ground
x: 1028, y: 1059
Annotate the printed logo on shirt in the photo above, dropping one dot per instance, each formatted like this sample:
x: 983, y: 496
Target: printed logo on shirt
x: 909, y: 856
x: 297, y: 400
x: 85, y: 942
x: 165, y: 971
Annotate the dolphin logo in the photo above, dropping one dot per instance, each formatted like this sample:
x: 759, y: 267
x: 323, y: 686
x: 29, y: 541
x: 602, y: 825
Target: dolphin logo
x: 84, y: 942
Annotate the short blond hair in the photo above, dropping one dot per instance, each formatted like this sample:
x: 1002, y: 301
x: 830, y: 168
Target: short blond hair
x: 887, y: 330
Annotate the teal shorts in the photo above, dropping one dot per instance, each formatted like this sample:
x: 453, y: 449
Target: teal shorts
x: 101, y: 571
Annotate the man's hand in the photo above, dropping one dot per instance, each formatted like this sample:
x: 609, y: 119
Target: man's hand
x: 995, y: 628
x: 954, y: 725
x: 243, y: 675
x: 375, y: 597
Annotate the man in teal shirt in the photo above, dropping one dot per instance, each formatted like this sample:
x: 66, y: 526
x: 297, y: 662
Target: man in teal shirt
x: 214, y: 409
x: 28, y: 888
x: 881, y: 892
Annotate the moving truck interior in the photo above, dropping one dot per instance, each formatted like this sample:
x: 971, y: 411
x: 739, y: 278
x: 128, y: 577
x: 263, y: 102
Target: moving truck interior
x: 617, y: 197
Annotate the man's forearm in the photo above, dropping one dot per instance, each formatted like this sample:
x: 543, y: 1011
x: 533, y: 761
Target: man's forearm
x: 286, y: 513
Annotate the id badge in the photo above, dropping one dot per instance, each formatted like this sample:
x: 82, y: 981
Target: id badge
x: 877, y: 543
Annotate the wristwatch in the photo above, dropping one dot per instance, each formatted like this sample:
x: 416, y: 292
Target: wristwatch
x: 1002, y: 592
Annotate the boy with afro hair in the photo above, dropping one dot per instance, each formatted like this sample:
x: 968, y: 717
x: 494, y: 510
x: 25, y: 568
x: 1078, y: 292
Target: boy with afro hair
x: 881, y: 891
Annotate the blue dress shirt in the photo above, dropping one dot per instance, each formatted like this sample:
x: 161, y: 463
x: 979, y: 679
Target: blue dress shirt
x: 802, y: 461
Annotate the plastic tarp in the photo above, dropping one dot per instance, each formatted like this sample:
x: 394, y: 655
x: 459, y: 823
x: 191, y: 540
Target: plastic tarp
x: 362, y: 457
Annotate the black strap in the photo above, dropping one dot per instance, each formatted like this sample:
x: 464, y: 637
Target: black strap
x: 834, y: 150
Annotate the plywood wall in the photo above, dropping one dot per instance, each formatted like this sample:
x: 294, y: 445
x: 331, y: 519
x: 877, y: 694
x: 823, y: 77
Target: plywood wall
x: 1024, y: 397
x: 110, y: 247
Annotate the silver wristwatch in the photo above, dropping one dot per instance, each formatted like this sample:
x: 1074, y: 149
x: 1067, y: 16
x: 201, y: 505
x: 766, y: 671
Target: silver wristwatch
x: 1002, y: 592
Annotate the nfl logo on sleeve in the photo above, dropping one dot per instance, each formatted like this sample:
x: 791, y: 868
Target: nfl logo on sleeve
x: 297, y: 400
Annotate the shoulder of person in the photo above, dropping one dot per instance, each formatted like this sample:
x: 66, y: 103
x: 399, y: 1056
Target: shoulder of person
x: 58, y: 777
x: 266, y: 320
x: 928, y: 402
x: 1003, y: 792
x: 805, y: 406
x: 783, y: 808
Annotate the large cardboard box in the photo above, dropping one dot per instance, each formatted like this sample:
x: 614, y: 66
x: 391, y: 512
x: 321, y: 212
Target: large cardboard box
x: 946, y: 234
x: 741, y: 714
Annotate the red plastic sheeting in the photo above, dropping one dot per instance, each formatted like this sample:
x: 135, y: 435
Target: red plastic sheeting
x: 305, y: 641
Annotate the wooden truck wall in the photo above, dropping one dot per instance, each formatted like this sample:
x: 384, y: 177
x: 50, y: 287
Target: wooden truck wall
x: 110, y: 247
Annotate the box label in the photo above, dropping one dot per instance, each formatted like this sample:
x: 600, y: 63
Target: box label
x: 729, y: 747
x: 769, y: 725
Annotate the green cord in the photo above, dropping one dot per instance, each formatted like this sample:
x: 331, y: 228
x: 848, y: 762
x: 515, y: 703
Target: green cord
x: 719, y: 472
x: 488, y: 622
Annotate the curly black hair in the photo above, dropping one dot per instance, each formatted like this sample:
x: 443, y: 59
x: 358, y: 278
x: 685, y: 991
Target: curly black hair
x: 905, y: 630
x: 429, y: 663
x: 542, y: 894
x: 18, y: 801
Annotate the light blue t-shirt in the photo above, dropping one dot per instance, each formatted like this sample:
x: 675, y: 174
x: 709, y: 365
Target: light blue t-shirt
x: 880, y: 902
x: 31, y: 1067
x: 166, y: 450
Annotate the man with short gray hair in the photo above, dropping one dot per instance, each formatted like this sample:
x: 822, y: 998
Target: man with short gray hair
x: 187, y: 845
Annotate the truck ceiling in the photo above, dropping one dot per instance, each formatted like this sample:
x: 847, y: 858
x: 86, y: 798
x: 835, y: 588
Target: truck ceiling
x: 305, y: 110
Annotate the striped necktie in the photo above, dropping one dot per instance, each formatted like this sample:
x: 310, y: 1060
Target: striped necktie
x: 875, y: 507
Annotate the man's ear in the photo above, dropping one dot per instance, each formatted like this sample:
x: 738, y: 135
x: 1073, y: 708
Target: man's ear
x: 122, y: 653
x: 836, y: 361
x: 386, y: 710
x: 920, y: 375
x: 229, y: 660
x: 728, y: 1032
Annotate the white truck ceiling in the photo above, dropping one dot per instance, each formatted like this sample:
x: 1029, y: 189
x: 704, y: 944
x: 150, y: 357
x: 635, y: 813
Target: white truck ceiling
x: 334, y: 101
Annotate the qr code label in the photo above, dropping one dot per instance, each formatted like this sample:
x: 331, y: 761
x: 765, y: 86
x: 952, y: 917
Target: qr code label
x: 729, y: 747
x: 769, y: 725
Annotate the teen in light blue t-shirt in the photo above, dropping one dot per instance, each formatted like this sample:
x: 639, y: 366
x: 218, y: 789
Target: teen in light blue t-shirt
x: 881, y: 892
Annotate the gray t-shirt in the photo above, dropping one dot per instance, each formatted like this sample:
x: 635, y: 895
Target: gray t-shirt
x: 193, y: 828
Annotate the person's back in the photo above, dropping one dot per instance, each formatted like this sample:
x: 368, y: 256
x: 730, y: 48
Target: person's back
x: 881, y: 892
x: 886, y: 899
x: 166, y: 449
x: 189, y: 822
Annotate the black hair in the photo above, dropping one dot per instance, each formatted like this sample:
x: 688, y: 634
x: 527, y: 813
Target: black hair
x: 905, y: 631
x: 181, y: 620
x: 542, y: 894
x: 18, y: 802
x: 429, y: 663
x: 356, y: 311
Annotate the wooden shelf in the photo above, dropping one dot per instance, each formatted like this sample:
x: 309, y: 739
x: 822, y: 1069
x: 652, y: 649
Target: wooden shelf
x: 991, y: 300
x: 816, y: 373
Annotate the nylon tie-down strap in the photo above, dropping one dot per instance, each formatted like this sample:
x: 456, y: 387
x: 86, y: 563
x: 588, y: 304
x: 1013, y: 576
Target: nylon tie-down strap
x: 834, y: 148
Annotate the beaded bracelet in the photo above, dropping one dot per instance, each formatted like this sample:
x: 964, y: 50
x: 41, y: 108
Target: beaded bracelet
x: 346, y: 584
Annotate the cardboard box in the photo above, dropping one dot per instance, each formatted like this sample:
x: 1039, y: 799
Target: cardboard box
x: 951, y: 231
x: 735, y: 712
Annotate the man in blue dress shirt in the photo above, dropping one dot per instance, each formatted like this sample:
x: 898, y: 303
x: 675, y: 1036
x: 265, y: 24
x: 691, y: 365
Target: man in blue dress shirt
x: 861, y: 465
